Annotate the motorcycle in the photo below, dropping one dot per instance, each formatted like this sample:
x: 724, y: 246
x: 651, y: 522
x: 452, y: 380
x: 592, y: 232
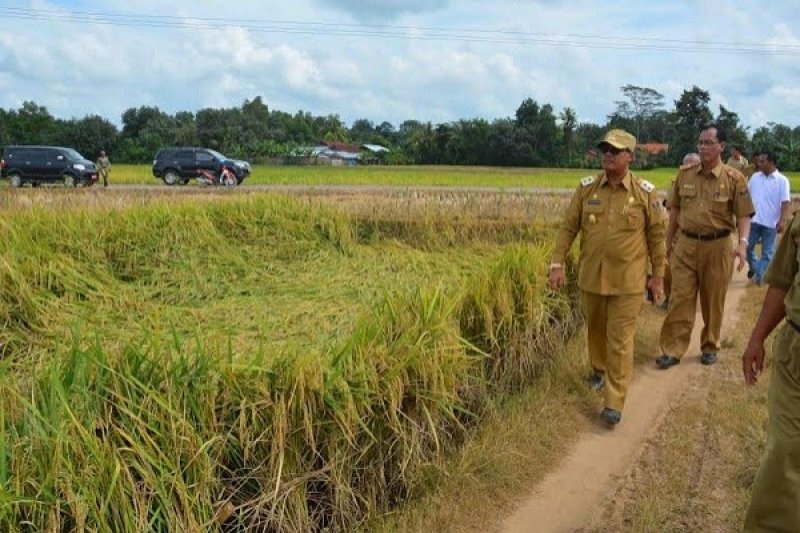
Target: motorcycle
x: 226, y: 177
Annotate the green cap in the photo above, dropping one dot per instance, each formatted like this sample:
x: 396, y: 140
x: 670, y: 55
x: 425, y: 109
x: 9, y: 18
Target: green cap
x: 619, y: 139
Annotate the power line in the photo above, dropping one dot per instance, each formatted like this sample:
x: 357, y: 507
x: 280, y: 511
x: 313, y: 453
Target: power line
x: 475, y: 35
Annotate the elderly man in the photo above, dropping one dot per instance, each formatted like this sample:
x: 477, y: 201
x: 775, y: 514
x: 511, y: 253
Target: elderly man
x: 707, y: 202
x: 620, y: 221
x: 769, y: 190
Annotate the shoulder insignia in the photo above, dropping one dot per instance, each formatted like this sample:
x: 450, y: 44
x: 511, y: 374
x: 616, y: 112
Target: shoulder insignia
x: 588, y: 180
x: 733, y: 173
x: 647, y: 186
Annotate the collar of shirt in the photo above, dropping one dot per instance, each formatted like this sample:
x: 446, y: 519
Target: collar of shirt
x: 716, y: 171
x: 772, y: 175
x: 626, y: 180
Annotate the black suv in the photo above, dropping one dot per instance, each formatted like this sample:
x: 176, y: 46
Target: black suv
x: 40, y: 164
x: 179, y: 165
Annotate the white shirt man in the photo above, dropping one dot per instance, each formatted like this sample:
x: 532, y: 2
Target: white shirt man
x: 769, y: 190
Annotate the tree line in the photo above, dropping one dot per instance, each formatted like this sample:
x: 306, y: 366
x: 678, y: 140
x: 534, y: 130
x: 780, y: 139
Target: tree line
x: 537, y: 135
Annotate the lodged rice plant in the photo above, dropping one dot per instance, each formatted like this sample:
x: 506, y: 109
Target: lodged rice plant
x: 171, y: 427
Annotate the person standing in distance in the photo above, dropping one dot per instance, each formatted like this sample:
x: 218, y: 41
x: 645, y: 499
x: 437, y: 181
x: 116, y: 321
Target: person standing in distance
x: 776, y: 488
x: 737, y: 160
x: 769, y: 190
x: 706, y: 203
x: 103, y: 167
x: 620, y: 221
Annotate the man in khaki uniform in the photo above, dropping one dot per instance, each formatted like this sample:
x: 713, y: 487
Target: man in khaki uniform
x: 775, y: 502
x: 620, y: 220
x: 103, y: 167
x: 689, y: 160
x: 738, y: 161
x: 707, y: 202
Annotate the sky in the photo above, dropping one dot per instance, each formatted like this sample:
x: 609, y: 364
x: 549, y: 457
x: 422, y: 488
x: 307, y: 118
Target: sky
x: 393, y: 60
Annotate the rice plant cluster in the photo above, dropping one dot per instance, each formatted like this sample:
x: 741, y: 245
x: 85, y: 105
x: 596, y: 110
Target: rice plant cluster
x: 253, y: 362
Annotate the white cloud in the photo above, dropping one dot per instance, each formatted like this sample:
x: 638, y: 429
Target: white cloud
x: 77, y: 68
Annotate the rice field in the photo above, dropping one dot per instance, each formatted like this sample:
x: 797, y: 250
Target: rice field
x: 255, y: 362
x: 410, y: 176
x: 448, y: 176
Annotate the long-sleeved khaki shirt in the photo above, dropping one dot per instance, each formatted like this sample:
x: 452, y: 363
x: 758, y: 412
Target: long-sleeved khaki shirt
x: 620, y: 227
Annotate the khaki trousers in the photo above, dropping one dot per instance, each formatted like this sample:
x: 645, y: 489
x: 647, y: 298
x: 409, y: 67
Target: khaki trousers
x: 699, y: 268
x: 611, y: 325
x: 775, y: 503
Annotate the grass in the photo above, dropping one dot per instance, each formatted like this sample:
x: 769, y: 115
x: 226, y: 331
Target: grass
x: 410, y: 176
x: 253, y: 361
x: 446, y: 176
x: 450, y: 176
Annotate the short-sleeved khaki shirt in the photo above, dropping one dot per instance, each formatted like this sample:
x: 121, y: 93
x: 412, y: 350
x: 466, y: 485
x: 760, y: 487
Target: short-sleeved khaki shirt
x: 783, y: 270
x: 710, y: 201
x: 739, y: 165
x: 620, y: 228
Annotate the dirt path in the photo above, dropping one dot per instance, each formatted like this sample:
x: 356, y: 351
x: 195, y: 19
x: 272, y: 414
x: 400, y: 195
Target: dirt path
x: 573, y: 494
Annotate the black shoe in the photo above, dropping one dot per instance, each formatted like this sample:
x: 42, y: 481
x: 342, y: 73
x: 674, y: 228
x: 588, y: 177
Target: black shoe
x: 596, y: 381
x: 610, y: 416
x: 751, y: 273
x: 665, y: 361
x: 708, y: 358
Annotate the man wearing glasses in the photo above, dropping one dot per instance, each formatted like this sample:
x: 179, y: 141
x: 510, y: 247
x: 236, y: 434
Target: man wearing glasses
x: 620, y: 220
x: 706, y: 203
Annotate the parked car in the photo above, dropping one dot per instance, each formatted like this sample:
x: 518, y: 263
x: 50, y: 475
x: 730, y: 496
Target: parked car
x: 43, y: 164
x: 181, y: 164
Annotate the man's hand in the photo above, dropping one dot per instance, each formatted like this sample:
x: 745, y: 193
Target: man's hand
x: 556, y: 278
x: 656, y: 286
x: 753, y: 362
x: 781, y: 225
x: 740, y: 252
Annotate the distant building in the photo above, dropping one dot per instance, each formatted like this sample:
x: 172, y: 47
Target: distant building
x: 653, y: 148
x: 344, y: 154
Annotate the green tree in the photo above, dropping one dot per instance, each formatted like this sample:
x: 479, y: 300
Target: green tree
x: 643, y: 103
x: 569, y: 121
x: 691, y: 113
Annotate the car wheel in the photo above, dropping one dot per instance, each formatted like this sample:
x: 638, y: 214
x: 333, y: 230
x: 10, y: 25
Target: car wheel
x: 15, y: 180
x: 69, y: 180
x: 171, y: 177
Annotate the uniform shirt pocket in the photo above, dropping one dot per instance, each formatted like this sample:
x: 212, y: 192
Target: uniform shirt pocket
x: 720, y: 205
x: 686, y: 195
x: 592, y: 214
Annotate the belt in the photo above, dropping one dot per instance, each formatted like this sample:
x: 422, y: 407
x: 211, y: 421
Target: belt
x: 794, y: 325
x: 707, y: 236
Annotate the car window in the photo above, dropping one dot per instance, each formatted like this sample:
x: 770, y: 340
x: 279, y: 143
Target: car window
x: 218, y: 155
x: 185, y: 156
x: 73, y: 155
x: 203, y: 157
x: 39, y: 155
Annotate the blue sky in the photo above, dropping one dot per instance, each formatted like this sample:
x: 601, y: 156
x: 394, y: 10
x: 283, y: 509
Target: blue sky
x: 445, y: 60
